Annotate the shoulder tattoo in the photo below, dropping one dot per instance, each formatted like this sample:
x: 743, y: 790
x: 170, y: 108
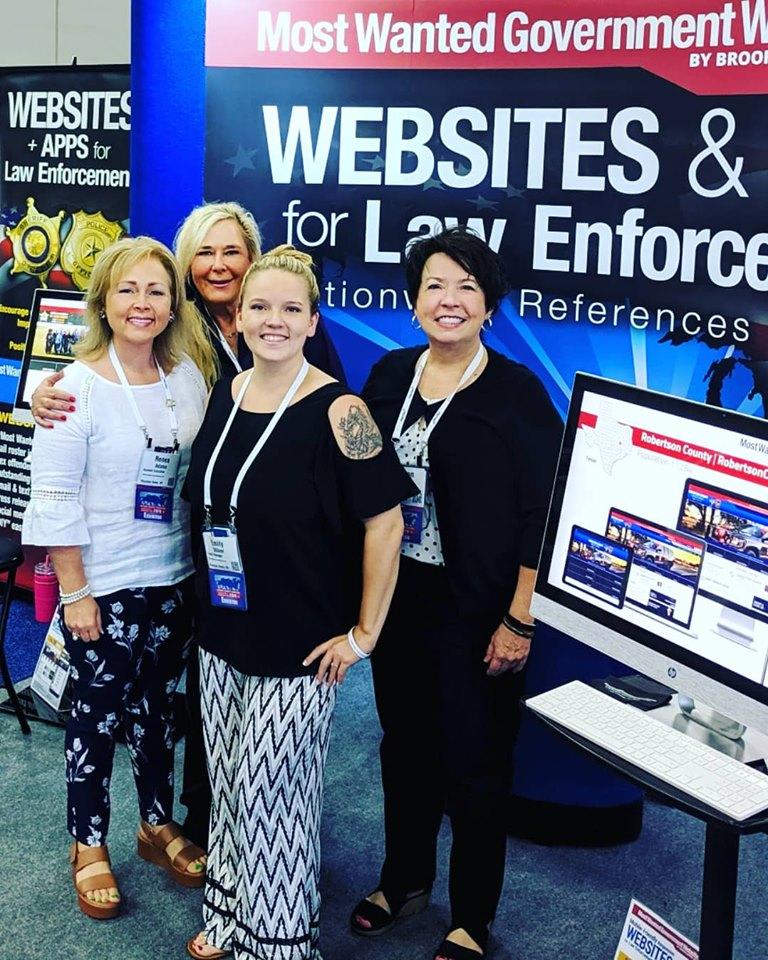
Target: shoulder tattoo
x: 360, y: 434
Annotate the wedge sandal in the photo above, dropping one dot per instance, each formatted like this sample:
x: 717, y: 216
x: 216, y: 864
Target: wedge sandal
x: 99, y: 881
x: 370, y: 920
x: 154, y: 848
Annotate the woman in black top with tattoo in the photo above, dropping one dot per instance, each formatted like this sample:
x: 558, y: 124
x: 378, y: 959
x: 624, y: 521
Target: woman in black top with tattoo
x: 480, y: 438
x: 282, y: 458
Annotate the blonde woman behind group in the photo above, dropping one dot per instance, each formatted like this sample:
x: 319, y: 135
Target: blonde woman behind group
x: 105, y: 503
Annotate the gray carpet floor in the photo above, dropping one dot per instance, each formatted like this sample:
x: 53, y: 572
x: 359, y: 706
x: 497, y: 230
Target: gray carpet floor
x: 562, y: 903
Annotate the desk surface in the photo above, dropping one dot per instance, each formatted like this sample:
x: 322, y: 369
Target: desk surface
x: 678, y: 799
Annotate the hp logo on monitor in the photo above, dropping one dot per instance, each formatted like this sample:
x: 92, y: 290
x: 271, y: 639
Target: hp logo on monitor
x: 672, y: 673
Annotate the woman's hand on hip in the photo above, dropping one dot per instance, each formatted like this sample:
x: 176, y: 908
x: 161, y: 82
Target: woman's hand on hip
x: 83, y: 619
x: 336, y: 658
x: 506, y: 651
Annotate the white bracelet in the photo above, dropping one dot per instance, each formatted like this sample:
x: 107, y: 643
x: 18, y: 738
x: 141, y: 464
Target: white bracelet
x: 75, y: 595
x: 356, y: 648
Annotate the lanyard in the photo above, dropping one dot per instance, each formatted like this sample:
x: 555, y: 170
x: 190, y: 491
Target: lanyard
x: 169, y: 401
x: 222, y: 339
x: 228, y: 350
x: 474, y: 363
x: 291, y: 392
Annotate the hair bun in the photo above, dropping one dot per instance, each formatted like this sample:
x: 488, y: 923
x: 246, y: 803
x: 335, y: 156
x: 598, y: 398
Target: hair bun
x: 291, y: 253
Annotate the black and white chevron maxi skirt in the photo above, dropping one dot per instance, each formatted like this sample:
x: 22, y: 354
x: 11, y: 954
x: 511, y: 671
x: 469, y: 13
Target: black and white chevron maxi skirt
x: 266, y: 740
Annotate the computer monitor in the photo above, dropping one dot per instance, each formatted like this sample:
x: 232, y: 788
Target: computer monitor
x: 56, y: 323
x: 656, y: 545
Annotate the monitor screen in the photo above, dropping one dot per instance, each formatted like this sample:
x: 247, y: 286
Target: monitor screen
x: 656, y: 547
x: 56, y: 323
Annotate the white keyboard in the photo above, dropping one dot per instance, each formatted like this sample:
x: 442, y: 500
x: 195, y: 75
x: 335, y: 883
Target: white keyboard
x: 670, y: 755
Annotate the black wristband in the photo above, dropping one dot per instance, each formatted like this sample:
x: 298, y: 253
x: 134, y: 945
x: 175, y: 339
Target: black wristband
x: 526, y: 630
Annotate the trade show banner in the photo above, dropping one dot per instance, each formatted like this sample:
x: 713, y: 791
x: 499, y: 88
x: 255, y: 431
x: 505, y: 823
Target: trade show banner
x: 616, y: 154
x: 64, y: 135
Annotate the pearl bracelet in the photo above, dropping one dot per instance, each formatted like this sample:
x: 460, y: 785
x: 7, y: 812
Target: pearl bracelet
x: 75, y: 595
x: 356, y: 648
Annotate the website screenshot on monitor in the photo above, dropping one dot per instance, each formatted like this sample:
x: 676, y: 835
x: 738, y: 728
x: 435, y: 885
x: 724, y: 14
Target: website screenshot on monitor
x: 60, y: 325
x: 689, y: 503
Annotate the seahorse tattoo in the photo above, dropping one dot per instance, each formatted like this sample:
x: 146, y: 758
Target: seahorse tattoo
x: 361, y: 435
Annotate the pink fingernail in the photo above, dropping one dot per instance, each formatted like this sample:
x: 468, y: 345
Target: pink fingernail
x: 71, y: 409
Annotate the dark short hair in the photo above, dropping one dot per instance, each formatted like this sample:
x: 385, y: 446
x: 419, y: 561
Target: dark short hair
x: 471, y: 253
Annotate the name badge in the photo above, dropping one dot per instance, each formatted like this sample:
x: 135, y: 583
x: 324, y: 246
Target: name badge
x: 158, y: 472
x: 226, y: 579
x: 414, y: 508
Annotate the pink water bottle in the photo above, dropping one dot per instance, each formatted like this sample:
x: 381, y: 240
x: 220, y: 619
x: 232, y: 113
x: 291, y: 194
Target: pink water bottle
x: 46, y: 588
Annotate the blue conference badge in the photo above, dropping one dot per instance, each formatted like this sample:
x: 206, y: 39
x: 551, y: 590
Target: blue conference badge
x: 153, y: 503
x: 228, y: 589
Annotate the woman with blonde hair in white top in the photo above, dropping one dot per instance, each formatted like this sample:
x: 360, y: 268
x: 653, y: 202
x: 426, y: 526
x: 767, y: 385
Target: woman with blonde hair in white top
x: 105, y: 503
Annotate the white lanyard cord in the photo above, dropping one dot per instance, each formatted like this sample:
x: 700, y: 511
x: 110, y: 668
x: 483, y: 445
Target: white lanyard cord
x: 227, y: 349
x: 474, y: 363
x: 290, y: 394
x: 169, y: 401
x: 222, y: 339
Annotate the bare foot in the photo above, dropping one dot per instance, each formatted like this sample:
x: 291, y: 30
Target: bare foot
x: 463, y: 939
x: 379, y: 899
x: 199, y: 947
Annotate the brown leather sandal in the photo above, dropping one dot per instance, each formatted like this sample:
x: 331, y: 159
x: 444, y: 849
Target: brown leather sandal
x: 100, y: 881
x: 153, y: 847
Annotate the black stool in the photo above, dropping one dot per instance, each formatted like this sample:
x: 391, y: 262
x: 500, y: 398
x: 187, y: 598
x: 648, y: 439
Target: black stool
x: 11, y: 558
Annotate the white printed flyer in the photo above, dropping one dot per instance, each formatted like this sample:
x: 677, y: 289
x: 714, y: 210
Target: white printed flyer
x: 647, y: 937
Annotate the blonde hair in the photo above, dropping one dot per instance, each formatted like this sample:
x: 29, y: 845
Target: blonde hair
x: 184, y: 335
x: 191, y: 234
x: 289, y: 259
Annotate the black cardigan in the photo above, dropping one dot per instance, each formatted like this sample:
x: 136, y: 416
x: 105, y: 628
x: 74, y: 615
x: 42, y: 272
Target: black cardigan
x: 492, y: 465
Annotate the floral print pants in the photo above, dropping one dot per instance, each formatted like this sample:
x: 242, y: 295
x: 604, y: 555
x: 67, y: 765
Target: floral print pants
x: 128, y: 676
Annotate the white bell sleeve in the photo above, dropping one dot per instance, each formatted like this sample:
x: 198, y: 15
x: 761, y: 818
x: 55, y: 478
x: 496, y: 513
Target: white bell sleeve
x: 54, y: 516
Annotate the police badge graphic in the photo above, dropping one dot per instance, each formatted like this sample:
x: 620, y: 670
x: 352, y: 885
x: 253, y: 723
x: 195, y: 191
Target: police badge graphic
x: 36, y: 242
x: 90, y: 234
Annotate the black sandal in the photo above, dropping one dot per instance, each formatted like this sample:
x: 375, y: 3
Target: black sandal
x: 448, y: 950
x: 370, y: 920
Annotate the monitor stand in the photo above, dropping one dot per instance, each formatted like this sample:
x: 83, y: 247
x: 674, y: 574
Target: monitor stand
x: 747, y: 746
x: 725, y: 726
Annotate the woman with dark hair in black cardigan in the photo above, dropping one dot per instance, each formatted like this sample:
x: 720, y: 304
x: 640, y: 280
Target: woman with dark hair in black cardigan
x: 480, y: 437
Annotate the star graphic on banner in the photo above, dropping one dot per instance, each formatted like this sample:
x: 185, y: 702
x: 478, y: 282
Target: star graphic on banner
x: 462, y: 169
x: 514, y: 192
x: 482, y: 204
x: 242, y: 160
x: 376, y: 163
x: 433, y: 184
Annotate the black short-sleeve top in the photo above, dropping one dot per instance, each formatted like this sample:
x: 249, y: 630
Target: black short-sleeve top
x: 294, y: 508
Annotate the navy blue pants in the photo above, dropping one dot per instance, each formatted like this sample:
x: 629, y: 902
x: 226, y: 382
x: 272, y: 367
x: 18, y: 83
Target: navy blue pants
x: 128, y: 676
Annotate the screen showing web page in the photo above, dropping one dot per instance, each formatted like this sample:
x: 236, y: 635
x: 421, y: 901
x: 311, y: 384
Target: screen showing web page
x: 665, y: 567
x: 597, y: 566
x: 689, y: 501
x: 60, y: 325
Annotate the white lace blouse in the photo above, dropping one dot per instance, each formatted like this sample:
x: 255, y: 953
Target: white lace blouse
x: 84, y: 473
